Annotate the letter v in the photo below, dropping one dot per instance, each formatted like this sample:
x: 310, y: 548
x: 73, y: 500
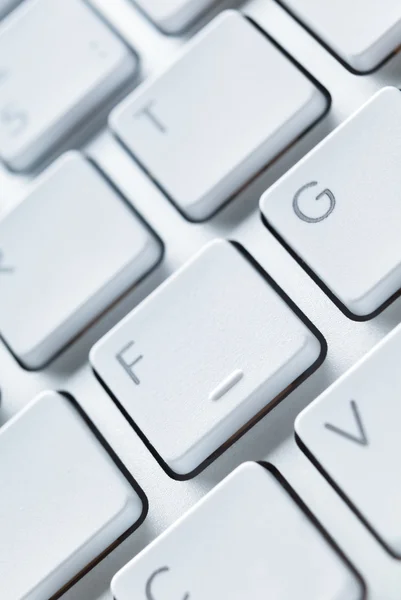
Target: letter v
x: 361, y: 438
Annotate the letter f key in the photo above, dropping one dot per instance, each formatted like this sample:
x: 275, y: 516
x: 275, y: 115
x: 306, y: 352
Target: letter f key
x: 129, y: 366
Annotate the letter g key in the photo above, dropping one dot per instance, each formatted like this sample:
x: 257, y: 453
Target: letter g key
x: 325, y: 194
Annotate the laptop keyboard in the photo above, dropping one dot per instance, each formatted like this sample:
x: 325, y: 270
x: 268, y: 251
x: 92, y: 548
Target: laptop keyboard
x: 198, y: 239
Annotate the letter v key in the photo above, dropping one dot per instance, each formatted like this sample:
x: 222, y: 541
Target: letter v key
x: 361, y: 438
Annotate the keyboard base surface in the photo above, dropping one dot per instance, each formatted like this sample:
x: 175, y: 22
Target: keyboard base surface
x: 272, y: 438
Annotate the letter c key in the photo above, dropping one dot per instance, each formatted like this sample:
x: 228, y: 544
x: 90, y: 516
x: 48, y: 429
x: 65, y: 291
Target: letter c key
x: 149, y: 583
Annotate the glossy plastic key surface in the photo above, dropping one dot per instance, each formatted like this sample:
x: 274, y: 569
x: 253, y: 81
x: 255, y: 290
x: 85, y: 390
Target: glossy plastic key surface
x: 221, y: 112
x: 58, y: 63
x: 67, y: 252
x: 210, y: 350
x: 352, y: 432
x: 247, y: 535
x: 363, y: 33
x: 173, y: 16
x: 338, y: 210
x: 63, y: 503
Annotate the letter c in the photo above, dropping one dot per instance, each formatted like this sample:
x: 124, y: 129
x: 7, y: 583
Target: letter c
x: 149, y: 583
x: 326, y: 193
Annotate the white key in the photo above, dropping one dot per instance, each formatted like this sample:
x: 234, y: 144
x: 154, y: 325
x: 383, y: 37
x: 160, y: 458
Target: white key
x: 363, y: 33
x: 173, y: 16
x: 227, y: 107
x: 67, y: 252
x: 58, y: 63
x: 202, y: 356
x: 353, y: 431
x: 63, y: 500
x: 339, y: 208
x: 6, y: 6
x: 260, y: 540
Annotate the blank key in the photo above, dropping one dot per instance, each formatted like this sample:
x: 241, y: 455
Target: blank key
x: 212, y: 349
x: 63, y: 503
x: 73, y: 64
x: 249, y: 538
x: 67, y: 252
x: 339, y: 209
x: 172, y: 16
x: 362, y: 33
x: 224, y: 110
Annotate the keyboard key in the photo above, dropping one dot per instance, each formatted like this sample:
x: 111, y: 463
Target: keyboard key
x: 363, y: 33
x: 204, y: 355
x: 173, y: 16
x: 73, y: 64
x: 338, y: 210
x: 6, y: 6
x: 246, y: 516
x: 225, y: 109
x: 67, y: 252
x: 54, y: 470
x: 353, y: 432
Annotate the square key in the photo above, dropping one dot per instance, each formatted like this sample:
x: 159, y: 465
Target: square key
x: 212, y: 349
x: 59, y: 63
x: 229, y: 105
x: 339, y: 211
x: 67, y: 252
x: 352, y: 433
x: 64, y: 501
x: 362, y: 33
x: 253, y: 535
